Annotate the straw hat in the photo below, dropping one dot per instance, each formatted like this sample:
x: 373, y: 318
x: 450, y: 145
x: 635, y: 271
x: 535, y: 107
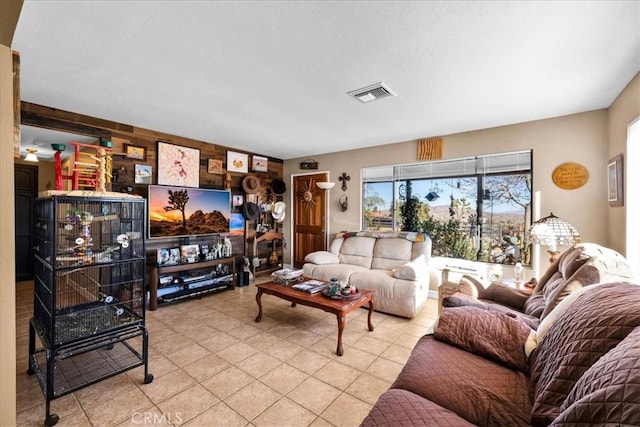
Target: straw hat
x: 251, y: 184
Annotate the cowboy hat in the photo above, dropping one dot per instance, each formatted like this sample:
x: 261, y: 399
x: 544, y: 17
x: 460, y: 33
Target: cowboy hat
x: 250, y: 210
x: 251, y: 184
x: 278, y: 186
x: 279, y: 210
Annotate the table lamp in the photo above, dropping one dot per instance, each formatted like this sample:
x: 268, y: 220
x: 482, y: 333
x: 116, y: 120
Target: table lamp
x: 553, y: 231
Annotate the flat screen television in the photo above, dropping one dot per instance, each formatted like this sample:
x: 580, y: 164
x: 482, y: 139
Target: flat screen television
x: 186, y: 211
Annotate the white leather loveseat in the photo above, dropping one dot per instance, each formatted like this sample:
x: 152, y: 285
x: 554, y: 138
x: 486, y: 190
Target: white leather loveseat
x: 393, y: 264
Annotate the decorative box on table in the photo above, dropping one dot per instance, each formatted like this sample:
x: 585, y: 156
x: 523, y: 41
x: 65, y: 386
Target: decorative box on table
x: 287, y: 275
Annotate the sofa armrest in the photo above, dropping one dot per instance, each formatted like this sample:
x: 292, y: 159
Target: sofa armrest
x: 506, y: 295
x: 416, y: 270
x: 322, y: 257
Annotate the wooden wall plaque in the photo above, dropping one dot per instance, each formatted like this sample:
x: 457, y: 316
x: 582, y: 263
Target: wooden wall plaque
x: 570, y: 176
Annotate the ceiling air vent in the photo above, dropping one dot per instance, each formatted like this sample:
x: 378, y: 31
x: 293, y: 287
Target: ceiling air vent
x: 371, y: 93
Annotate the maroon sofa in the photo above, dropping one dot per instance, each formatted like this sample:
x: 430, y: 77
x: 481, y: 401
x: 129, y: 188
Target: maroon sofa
x: 583, y: 368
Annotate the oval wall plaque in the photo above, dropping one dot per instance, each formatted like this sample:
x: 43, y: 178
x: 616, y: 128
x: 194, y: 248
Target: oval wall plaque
x: 570, y: 176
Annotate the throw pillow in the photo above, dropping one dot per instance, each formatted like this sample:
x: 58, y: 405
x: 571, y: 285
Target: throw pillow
x: 413, y: 270
x: 322, y: 257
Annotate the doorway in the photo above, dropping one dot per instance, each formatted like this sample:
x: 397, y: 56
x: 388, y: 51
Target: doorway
x: 26, y: 191
x: 309, y: 222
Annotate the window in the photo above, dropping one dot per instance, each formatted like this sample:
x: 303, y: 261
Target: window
x: 473, y: 208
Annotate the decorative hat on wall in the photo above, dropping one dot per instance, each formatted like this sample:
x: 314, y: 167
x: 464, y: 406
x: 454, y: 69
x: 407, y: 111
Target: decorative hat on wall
x: 251, y: 184
x: 278, y: 186
x: 279, y: 210
x: 250, y: 211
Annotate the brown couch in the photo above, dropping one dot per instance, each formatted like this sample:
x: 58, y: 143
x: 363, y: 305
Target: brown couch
x: 583, y: 367
x: 579, y: 266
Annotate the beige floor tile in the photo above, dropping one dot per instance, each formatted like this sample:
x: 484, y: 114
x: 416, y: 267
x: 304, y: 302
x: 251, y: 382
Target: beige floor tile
x: 283, y: 330
x: 170, y: 344
x: 368, y: 388
x: 227, y: 382
x: 29, y: 397
x: 236, y: 352
x: 285, y: 413
x: 64, y: 407
x: 189, y: 403
x: 337, y: 374
x: 78, y: 419
x: 167, y: 385
x: 103, y: 390
x: 308, y: 361
x: 118, y: 409
x: 219, y: 341
x: 284, y: 378
x: 346, y: 410
x: 396, y: 353
x: 304, y: 338
x: 206, y: 367
x: 313, y: 395
x: 371, y: 345
x: 262, y: 340
x: 384, y: 369
x: 219, y: 414
x: 283, y: 350
x: 188, y: 355
x: 150, y: 417
x: 243, y: 331
x: 407, y: 341
x: 253, y: 399
x: 357, y: 358
x: 258, y: 364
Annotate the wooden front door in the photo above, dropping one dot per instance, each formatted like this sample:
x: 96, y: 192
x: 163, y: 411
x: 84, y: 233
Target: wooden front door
x: 26, y: 190
x: 309, y: 216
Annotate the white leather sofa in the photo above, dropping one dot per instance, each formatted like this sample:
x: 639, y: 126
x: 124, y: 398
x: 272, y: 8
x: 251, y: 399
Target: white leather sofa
x: 393, y: 264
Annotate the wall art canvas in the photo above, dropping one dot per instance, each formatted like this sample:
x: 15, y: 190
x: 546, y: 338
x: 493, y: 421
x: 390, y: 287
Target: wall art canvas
x: 178, y: 165
x: 615, y: 181
x: 237, y: 162
x: 259, y: 164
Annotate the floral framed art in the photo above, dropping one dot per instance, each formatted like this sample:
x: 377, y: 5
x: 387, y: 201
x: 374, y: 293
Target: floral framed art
x: 237, y: 162
x: 178, y: 165
x: 214, y: 166
x: 615, y: 181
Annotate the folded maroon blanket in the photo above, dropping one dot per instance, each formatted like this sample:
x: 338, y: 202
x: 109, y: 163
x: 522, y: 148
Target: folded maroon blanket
x: 497, y: 336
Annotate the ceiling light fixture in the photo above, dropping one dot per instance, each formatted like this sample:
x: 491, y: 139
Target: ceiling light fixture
x: 31, y: 155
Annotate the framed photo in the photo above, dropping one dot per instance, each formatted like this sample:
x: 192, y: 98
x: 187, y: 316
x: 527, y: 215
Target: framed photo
x: 142, y: 174
x: 237, y: 200
x: 174, y: 256
x: 162, y: 256
x: 214, y: 166
x: 236, y: 224
x: 237, y: 162
x: 259, y: 164
x: 190, y: 252
x: 616, y: 181
x: 178, y: 165
x: 135, y: 152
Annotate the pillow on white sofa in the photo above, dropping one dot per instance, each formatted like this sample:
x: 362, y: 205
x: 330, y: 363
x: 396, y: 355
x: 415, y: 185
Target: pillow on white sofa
x: 413, y: 270
x: 322, y: 257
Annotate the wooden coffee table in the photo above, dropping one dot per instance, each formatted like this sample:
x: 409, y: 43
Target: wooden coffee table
x: 339, y: 307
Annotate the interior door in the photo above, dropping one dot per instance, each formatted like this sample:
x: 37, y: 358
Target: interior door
x: 26, y: 190
x: 309, y: 216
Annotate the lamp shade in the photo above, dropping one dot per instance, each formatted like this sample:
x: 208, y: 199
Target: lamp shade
x: 552, y: 231
x: 325, y: 185
x: 31, y: 155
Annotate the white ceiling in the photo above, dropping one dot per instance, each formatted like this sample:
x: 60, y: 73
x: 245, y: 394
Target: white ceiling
x: 272, y: 77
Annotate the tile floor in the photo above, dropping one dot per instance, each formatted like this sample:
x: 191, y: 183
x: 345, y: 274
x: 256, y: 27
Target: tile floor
x: 213, y: 365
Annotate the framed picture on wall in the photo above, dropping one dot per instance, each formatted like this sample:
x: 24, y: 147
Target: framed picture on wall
x: 214, y: 166
x: 142, y: 174
x: 259, y: 164
x: 615, y: 181
x: 178, y: 165
x: 237, y: 162
x: 135, y: 152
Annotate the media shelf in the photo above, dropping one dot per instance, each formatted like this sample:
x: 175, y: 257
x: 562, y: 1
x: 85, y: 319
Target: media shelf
x: 169, y: 283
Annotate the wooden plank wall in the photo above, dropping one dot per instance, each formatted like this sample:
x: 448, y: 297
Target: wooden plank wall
x: 121, y: 134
